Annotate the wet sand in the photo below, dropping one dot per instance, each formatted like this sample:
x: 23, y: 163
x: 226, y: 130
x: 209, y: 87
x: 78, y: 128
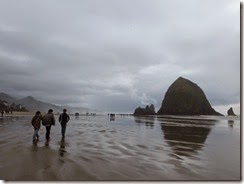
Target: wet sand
x: 127, y: 149
x: 40, y: 163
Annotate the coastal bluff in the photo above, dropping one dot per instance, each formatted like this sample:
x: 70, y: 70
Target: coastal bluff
x: 184, y: 97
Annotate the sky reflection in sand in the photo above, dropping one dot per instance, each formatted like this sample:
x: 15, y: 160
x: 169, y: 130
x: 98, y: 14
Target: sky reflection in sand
x: 128, y: 148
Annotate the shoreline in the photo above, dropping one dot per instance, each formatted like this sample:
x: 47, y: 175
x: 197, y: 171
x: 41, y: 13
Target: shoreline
x: 30, y: 113
x: 17, y: 113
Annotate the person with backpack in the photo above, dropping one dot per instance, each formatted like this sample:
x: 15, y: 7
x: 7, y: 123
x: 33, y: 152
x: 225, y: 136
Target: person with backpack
x: 48, y: 120
x: 36, y: 123
x: 63, y: 119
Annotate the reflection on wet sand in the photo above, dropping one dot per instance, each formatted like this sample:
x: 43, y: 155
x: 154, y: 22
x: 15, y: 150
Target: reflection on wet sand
x: 148, y: 120
x: 129, y: 148
x: 185, y: 139
x: 35, y: 143
x: 62, y: 148
x: 47, y: 143
x: 34, y: 147
x: 231, y: 123
x: 184, y: 136
x: 151, y: 124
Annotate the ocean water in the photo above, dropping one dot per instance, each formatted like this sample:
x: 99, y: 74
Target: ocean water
x: 126, y: 148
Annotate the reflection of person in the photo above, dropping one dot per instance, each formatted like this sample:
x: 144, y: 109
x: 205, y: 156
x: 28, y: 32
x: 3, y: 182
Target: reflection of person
x: 62, y: 148
x: 63, y: 119
x: 48, y: 120
x: 231, y: 123
x: 36, y: 123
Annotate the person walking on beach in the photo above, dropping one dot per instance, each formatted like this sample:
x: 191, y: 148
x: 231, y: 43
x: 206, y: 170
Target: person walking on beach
x: 48, y: 120
x: 36, y: 123
x: 63, y: 119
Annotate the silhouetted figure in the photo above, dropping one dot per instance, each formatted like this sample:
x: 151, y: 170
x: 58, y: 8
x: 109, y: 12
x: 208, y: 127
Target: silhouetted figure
x: 112, y: 117
x: 2, y: 113
x: 48, y: 120
x: 63, y: 119
x: 36, y: 123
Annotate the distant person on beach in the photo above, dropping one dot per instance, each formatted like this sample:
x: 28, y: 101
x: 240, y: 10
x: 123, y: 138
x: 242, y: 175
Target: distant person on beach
x: 48, y: 120
x: 63, y: 119
x: 36, y: 123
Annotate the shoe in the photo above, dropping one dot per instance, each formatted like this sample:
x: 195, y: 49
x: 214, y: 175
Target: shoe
x: 34, y: 141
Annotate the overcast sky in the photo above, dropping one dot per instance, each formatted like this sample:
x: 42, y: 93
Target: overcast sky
x: 116, y: 55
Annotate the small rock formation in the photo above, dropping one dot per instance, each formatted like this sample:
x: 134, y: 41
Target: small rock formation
x: 230, y: 112
x: 184, y: 97
x: 149, y: 110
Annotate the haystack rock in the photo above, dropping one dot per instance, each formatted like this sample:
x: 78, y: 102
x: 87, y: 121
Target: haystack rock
x: 149, y: 110
x: 184, y: 97
x: 230, y: 112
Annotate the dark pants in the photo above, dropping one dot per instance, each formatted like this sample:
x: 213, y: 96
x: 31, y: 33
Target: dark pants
x: 63, y: 125
x: 48, y: 129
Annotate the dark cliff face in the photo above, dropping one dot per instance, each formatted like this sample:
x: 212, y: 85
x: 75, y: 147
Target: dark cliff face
x: 184, y: 97
x: 230, y: 112
x: 149, y: 110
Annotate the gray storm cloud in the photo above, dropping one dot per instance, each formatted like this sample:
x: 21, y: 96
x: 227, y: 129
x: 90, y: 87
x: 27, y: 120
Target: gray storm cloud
x: 116, y: 55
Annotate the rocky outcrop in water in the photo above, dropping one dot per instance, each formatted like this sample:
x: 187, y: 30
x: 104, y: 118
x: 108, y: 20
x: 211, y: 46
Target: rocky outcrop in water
x: 184, y: 97
x: 230, y: 112
x: 149, y: 110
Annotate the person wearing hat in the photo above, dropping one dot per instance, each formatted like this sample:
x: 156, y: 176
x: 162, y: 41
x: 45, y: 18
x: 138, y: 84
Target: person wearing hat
x: 63, y: 119
x: 48, y: 120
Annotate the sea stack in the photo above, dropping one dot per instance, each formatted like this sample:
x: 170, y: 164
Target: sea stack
x: 184, y: 97
x: 230, y: 112
x: 149, y: 110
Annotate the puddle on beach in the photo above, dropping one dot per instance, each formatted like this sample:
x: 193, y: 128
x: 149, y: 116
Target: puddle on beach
x: 126, y: 148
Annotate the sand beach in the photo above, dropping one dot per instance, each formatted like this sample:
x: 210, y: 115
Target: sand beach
x: 126, y: 149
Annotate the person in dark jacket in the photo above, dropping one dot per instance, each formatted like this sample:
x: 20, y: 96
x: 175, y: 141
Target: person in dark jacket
x: 63, y: 119
x: 36, y: 123
x: 48, y: 120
